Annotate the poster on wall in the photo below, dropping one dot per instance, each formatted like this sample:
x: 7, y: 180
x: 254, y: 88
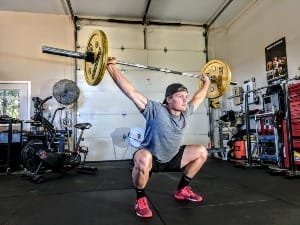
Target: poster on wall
x: 276, y: 62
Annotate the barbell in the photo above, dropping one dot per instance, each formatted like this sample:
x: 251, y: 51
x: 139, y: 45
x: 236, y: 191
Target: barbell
x: 96, y: 57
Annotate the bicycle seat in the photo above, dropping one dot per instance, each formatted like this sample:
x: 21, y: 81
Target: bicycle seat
x: 83, y: 126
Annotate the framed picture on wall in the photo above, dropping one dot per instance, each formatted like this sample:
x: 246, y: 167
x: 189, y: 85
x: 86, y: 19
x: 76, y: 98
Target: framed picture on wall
x: 276, y: 61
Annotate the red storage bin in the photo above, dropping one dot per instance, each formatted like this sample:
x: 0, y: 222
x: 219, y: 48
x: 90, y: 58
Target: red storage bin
x: 239, y: 149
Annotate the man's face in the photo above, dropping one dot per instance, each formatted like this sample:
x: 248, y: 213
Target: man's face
x: 178, y: 101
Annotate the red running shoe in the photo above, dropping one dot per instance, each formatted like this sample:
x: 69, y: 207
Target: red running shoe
x: 142, y: 209
x: 186, y: 193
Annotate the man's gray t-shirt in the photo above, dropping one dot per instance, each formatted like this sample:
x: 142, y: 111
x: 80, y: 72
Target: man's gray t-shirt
x: 164, y: 131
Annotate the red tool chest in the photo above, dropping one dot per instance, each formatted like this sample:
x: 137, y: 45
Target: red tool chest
x: 294, y: 96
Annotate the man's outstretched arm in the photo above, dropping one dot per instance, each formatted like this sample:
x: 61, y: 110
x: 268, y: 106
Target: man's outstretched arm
x: 199, y: 96
x: 127, y: 88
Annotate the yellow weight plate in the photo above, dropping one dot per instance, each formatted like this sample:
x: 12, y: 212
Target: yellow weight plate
x: 98, y: 46
x: 220, y: 77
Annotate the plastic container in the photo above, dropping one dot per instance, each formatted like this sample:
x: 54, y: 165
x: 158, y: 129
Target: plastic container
x: 239, y: 149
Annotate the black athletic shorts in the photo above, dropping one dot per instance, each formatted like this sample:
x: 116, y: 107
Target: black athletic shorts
x: 172, y: 166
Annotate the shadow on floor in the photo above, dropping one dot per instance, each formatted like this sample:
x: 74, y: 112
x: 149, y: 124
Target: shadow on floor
x: 232, y: 196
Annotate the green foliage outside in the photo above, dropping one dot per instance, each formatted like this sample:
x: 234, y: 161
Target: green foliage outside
x: 10, y: 103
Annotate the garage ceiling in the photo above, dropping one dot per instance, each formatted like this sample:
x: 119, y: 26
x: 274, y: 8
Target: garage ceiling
x: 196, y: 12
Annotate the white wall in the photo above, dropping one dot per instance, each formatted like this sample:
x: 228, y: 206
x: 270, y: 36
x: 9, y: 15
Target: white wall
x: 242, y: 44
x: 21, y: 57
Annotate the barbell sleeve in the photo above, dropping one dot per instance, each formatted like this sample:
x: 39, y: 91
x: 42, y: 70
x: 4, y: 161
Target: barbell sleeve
x: 63, y: 52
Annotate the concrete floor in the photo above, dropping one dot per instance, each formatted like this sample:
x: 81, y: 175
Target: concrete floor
x: 232, y: 196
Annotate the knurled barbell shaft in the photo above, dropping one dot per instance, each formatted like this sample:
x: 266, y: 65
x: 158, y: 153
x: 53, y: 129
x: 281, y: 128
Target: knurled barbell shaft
x: 164, y: 70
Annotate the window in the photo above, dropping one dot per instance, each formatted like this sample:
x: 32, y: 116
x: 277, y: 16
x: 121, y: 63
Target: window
x: 15, y: 99
x: 10, y: 102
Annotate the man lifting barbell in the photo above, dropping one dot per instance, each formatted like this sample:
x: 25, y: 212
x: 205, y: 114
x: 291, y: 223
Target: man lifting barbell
x: 162, y: 149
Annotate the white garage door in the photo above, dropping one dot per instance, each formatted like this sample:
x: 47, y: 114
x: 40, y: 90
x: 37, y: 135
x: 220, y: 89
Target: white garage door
x: 112, y: 115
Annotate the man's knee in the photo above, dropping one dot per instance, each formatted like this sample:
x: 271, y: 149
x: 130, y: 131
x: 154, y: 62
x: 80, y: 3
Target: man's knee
x: 195, y: 154
x: 143, y: 160
x: 202, y: 151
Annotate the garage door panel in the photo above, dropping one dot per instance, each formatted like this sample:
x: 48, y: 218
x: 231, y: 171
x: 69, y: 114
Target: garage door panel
x: 110, y: 112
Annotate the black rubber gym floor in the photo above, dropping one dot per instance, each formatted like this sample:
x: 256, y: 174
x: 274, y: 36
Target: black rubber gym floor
x: 232, y: 196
